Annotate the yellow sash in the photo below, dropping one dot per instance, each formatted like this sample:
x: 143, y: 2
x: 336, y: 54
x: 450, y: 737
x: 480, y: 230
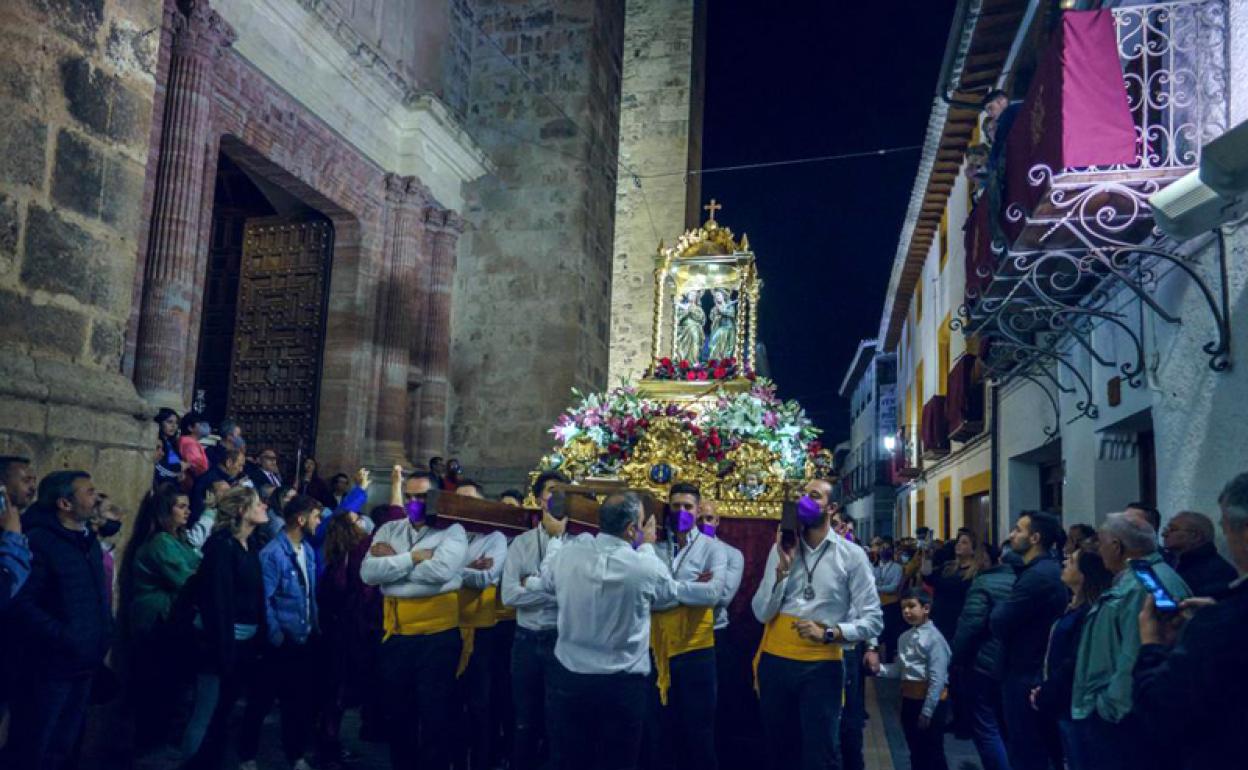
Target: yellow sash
x: 476, y: 610
x: 419, y: 617
x: 781, y: 639
x: 677, y: 631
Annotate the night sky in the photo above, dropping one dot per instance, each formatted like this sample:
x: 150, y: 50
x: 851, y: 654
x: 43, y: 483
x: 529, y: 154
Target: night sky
x: 838, y: 77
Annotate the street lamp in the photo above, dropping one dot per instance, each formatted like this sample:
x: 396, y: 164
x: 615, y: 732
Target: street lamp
x: 890, y: 443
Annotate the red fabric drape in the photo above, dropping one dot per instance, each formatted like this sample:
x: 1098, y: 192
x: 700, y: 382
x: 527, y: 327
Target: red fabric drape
x: 935, y: 426
x: 1076, y: 113
x: 755, y: 539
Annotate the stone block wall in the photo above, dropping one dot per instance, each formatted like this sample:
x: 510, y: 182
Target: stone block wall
x: 76, y: 90
x: 660, y: 133
x: 532, y: 288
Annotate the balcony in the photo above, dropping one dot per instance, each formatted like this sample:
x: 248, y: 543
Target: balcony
x: 964, y: 406
x: 1120, y: 106
x: 906, y: 462
x: 934, y: 431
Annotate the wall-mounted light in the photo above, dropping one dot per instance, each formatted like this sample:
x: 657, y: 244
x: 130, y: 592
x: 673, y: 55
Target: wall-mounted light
x: 890, y: 443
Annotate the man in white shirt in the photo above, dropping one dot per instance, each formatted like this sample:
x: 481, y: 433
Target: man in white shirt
x: 682, y: 637
x: 420, y: 570
x: 731, y: 682
x: 812, y: 599
x: 478, y: 621
x: 606, y: 587
x: 533, y: 650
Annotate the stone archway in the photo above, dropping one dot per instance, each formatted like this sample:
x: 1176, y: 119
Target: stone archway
x: 383, y: 384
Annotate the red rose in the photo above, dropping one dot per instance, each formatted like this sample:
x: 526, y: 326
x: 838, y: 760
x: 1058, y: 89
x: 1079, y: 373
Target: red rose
x: 644, y: 423
x: 715, y: 442
x: 702, y: 375
x: 665, y: 362
x: 691, y: 376
x: 721, y: 373
x: 614, y: 449
x: 684, y: 364
x: 695, y: 430
x: 714, y: 362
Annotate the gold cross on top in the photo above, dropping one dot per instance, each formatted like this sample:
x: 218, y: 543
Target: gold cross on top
x: 711, y: 207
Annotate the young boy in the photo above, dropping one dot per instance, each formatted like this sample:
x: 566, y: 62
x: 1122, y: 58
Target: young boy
x: 923, y: 667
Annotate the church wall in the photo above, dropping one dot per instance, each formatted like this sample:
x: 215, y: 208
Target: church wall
x: 76, y: 88
x: 532, y: 288
x: 660, y: 132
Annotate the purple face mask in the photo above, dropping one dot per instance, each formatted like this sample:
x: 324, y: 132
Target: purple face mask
x: 415, y: 511
x: 809, y: 512
x: 707, y: 529
x: 682, y: 520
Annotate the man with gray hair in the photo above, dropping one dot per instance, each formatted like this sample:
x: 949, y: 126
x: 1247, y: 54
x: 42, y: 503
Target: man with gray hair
x: 1101, y: 701
x: 1191, y: 694
x: 1188, y: 537
x: 605, y: 587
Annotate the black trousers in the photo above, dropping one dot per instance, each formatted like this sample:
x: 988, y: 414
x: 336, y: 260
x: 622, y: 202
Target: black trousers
x: 927, y: 745
x: 532, y: 667
x: 597, y: 719
x: 502, y: 714
x: 738, y: 728
x: 687, y: 722
x: 476, y: 698
x: 854, y: 713
x: 418, y: 680
x: 47, y: 720
x: 288, y: 674
x: 801, y: 710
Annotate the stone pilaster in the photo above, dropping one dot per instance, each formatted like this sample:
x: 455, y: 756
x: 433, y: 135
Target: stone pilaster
x: 432, y: 218
x: 400, y: 302
x: 200, y: 36
x: 436, y: 356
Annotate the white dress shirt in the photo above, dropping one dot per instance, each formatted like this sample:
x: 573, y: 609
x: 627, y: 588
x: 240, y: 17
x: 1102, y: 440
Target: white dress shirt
x: 922, y: 656
x: 536, y: 609
x: 732, y: 582
x: 844, y: 588
x: 606, y: 591
x: 494, y: 546
x: 396, y: 574
x: 700, y: 554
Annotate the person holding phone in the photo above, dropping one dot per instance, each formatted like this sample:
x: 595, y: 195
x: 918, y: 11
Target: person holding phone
x: 1101, y: 699
x: 813, y: 599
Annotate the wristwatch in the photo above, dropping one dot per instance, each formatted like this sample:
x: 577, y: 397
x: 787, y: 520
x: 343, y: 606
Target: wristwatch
x: 829, y: 634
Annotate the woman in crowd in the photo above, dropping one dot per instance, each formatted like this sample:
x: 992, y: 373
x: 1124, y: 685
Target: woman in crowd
x: 311, y: 484
x: 230, y: 603
x: 194, y: 459
x: 950, y: 584
x: 350, y: 614
x: 158, y: 563
x: 1087, y: 578
x: 979, y: 656
x: 168, y: 460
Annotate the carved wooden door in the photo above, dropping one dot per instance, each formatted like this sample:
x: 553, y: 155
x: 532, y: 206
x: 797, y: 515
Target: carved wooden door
x: 275, y: 372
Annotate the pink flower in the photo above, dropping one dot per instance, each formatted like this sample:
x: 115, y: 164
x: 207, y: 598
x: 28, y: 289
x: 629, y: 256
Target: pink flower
x: 771, y: 419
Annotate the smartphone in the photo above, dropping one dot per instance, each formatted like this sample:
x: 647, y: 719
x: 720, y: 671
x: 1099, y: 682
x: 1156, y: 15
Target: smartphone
x: 788, y: 526
x: 1148, y: 578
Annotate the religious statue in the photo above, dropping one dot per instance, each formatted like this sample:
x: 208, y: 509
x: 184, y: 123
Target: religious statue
x: 723, y: 339
x: 690, y: 331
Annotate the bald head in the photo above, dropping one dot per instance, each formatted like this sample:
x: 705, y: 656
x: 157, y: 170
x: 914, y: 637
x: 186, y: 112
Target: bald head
x: 1187, y: 531
x: 618, y: 512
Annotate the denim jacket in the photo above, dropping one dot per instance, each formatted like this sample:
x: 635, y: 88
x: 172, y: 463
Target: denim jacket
x: 289, y: 601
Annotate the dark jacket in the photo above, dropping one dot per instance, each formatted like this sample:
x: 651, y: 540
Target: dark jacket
x: 259, y: 477
x: 229, y: 591
x: 1193, y: 695
x: 1059, y: 663
x: 63, y: 615
x: 973, y: 644
x: 1205, y: 571
x: 1023, y: 620
x: 203, y: 485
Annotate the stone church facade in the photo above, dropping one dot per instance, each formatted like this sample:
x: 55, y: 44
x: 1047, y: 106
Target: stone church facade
x: 370, y: 231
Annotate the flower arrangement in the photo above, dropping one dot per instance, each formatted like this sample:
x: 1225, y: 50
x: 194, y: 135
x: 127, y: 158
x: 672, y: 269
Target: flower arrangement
x: 614, y: 422
x: 698, y: 371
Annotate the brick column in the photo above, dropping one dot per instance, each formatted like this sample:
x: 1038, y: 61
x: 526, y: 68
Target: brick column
x: 199, y: 38
x: 431, y: 219
x: 399, y: 304
x: 435, y: 385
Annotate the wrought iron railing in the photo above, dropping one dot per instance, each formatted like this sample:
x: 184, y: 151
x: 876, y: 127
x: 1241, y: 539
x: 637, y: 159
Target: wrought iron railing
x: 1174, y: 64
x: 1092, y: 234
